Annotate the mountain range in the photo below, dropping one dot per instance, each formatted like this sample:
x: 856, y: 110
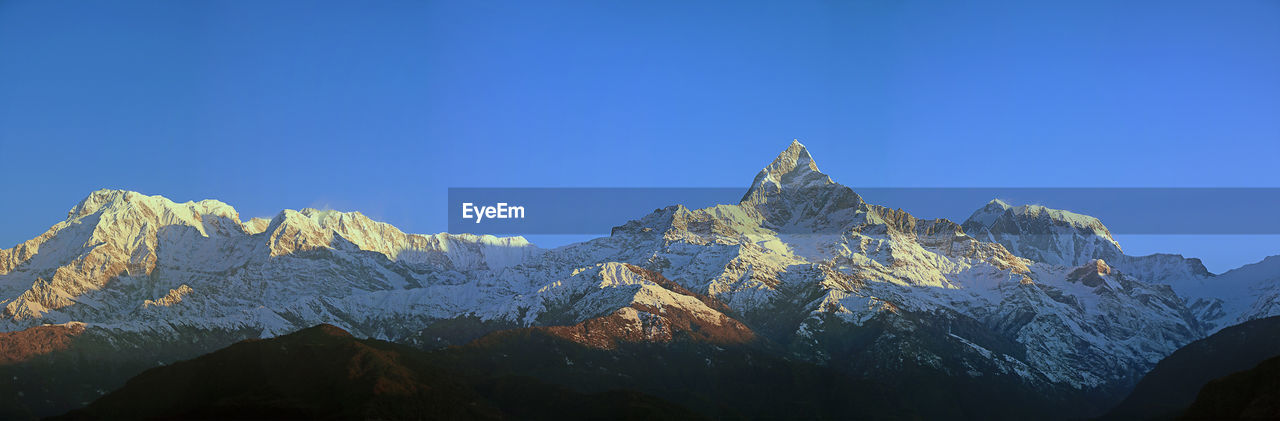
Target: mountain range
x: 1032, y: 311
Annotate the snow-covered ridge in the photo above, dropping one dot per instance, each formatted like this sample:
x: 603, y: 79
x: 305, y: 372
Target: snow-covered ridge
x: 1043, y: 234
x: 291, y: 231
x: 113, y: 235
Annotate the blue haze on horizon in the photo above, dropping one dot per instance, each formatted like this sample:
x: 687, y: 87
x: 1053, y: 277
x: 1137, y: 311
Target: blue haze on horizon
x: 381, y: 107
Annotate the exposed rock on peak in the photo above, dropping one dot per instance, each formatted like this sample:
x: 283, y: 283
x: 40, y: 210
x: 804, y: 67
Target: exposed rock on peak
x: 986, y: 215
x: 792, y: 191
x: 1090, y: 274
x: 796, y: 156
x: 1102, y: 267
x: 256, y: 225
x: 793, y: 169
x: 173, y: 297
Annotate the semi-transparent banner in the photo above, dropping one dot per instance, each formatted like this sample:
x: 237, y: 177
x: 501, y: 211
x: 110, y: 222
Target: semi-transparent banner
x: 596, y: 210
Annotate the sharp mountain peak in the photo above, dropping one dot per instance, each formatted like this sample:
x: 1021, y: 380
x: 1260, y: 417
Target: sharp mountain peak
x: 793, y: 157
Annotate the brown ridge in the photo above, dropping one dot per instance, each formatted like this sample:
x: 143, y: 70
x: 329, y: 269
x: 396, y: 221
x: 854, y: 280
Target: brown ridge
x: 29, y: 343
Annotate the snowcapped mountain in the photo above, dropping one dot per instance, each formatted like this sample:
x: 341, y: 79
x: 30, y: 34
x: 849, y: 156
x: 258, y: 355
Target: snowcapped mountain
x: 1056, y: 237
x: 1064, y: 238
x: 126, y: 260
x: 805, y: 247
x: 1239, y: 295
x: 1044, y: 235
x: 1024, y: 295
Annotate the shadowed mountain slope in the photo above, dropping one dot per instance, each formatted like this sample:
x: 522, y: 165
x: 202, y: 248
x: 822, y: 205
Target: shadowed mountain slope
x: 1253, y: 394
x: 1172, y: 385
x: 324, y: 373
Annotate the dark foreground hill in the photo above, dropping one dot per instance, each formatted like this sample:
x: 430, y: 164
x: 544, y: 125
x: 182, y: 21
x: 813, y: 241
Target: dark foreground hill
x: 325, y: 373
x: 1253, y: 394
x: 1170, y: 387
x: 542, y: 373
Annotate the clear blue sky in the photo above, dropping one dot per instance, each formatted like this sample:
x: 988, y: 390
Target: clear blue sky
x: 380, y: 107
